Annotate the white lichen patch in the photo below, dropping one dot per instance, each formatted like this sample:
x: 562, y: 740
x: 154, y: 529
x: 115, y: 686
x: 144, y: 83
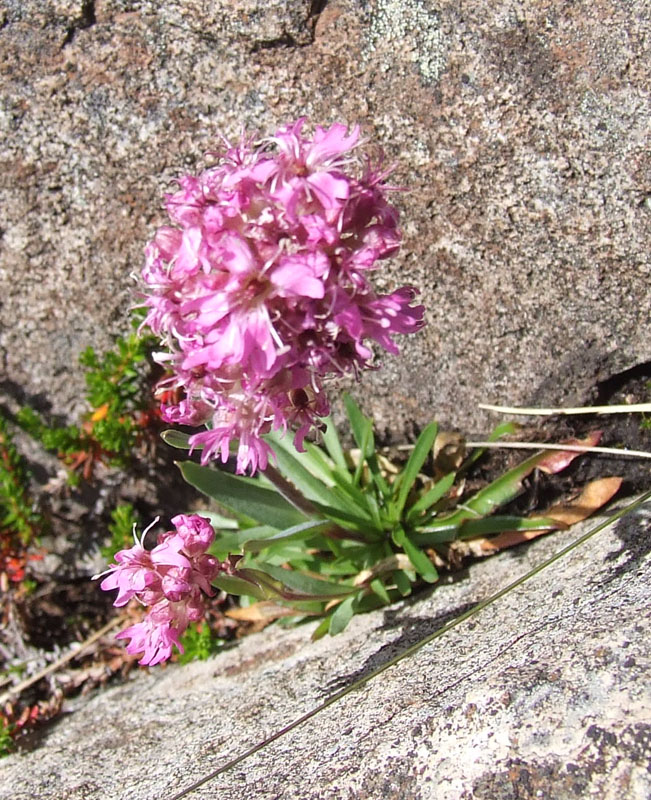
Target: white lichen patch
x: 409, y: 30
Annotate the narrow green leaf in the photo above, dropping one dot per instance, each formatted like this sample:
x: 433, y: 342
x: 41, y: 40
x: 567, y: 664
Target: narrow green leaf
x: 238, y: 586
x: 241, y: 496
x: 321, y: 629
x: 363, y: 432
x: 378, y: 478
x: 219, y: 521
x: 373, y: 507
x: 320, y: 463
x: 402, y: 582
x: 417, y: 458
x: 420, y: 561
x: 366, y: 441
x: 472, y: 528
x: 291, y: 554
x: 358, y: 422
x: 178, y: 439
x: 499, y: 524
x: 303, y: 531
x: 352, y: 498
x: 231, y: 543
x: 342, y: 615
x: 503, y: 429
x: 348, y: 521
x: 500, y: 491
x: 433, y: 495
x: 333, y: 445
x: 437, y: 533
x: 343, y: 567
x: 351, y: 505
x: 306, y: 584
x: 380, y: 590
x: 289, y: 463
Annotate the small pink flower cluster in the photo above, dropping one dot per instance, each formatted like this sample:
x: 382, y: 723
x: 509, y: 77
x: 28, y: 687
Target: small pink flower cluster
x: 260, y: 291
x: 171, y: 579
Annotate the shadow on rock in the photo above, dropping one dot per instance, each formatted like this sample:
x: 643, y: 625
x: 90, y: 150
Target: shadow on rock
x: 414, y: 629
x: 633, y: 533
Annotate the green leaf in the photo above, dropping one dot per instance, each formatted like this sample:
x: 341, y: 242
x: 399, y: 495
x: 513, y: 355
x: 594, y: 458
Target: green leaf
x: 373, y: 507
x: 433, y: 495
x: 503, y: 429
x: 472, y: 528
x: 239, y: 586
x: 303, y: 531
x: 232, y: 543
x: 333, y: 445
x: 342, y: 615
x: 289, y: 463
x: 353, y: 500
x: 293, y: 554
x: 358, y: 422
x: 421, y: 562
x: 366, y: 442
x: 417, y: 458
x: 321, y: 629
x: 500, y: 491
x: 178, y: 439
x: 320, y: 463
x: 241, y: 496
x: 348, y: 521
x: 306, y: 584
x: 349, y: 496
x: 402, y: 582
x: 342, y: 566
x: 363, y: 432
x: 219, y: 521
x: 380, y: 590
x: 485, y: 527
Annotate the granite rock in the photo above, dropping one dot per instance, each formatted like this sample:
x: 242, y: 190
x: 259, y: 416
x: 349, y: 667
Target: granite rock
x: 543, y: 694
x: 520, y: 130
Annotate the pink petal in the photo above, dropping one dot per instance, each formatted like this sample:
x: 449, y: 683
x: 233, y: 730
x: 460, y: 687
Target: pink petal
x: 331, y: 191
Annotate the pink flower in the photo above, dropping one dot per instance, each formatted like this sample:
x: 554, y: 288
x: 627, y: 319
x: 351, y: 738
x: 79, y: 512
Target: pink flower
x: 260, y: 289
x: 154, y: 640
x: 196, y: 533
x: 173, y: 579
x: 131, y: 575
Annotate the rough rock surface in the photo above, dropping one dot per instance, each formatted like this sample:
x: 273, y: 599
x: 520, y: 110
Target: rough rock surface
x: 521, y: 130
x: 544, y: 694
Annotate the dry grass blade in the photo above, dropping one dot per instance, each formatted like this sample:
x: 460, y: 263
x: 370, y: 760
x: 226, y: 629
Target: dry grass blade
x: 610, y: 451
x: 639, y: 408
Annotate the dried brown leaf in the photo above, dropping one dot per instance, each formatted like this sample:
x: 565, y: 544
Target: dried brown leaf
x: 449, y: 452
x: 595, y: 495
x: 592, y: 498
x: 507, y: 539
x: 557, y: 460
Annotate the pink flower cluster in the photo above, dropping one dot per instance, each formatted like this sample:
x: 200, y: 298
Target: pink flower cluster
x: 260, y: 290
x: 172, y: 579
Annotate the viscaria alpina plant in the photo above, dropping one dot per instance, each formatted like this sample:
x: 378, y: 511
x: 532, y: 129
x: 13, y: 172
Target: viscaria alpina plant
x: 259, y: 289
x: 260, y: 292
x: 172, y: 579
